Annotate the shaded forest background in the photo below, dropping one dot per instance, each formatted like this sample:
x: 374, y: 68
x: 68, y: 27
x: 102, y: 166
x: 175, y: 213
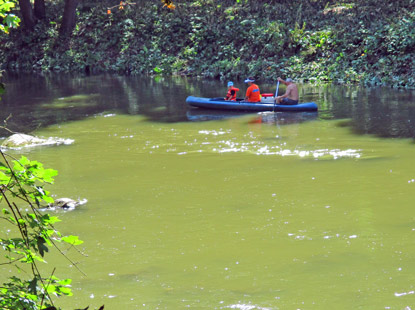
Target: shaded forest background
x: 370, y: 41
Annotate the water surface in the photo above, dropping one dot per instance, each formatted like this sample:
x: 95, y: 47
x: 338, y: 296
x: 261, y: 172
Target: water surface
x: 36, y: 101
x: 243, y: 212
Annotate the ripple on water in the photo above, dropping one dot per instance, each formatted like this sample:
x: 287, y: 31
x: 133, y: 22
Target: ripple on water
x: 255, y: 146
x: 404, y: 293
x: 278, y: 150
x: 246, y: 307
x: 225, y: 141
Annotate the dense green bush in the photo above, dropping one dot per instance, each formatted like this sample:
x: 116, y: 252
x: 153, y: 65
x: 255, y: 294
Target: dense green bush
x: 368, y: 42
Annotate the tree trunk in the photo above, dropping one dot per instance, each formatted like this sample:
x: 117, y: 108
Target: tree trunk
x: 69, y: 17
x: 40, y: 10
x: 27, y: 14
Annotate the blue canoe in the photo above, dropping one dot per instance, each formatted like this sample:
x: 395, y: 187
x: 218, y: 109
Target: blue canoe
x: 239, y: 105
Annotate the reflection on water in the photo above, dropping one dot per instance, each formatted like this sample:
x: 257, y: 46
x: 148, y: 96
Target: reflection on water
x: 38, y: 101
x: 276, y: 118
x: 201, y: 115
x: 381, y: 111
x: 284, y: 118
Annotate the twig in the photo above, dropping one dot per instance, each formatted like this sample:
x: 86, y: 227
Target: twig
x: 122, y: 4
x: 46, y: 288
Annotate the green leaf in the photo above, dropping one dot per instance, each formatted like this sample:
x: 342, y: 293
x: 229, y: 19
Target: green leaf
x: 65, y: 290
x: 74, y: 240
x: 47, y: 199
x: 4, y: 179
x: 49, y: 220
x: 6, y: 6
x: 30, y: 257
x: 51, y: 288
x: 12, y: 20
x: 65, y: 282
x: 23, y: 161
x: 48, y: 175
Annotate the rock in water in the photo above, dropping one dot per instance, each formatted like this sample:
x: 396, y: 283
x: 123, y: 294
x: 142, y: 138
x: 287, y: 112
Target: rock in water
x: 19, y: 140
x: 66, y: 204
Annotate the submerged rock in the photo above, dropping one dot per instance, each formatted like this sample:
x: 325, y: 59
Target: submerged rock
x: 67, y: 204
x: 20, y: 140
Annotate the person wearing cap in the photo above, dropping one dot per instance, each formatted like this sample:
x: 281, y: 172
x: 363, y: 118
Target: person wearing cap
x: 231, y: 95
x: 291, y: 93
x: 252, y: 92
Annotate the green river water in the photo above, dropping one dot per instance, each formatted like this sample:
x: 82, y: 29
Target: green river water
x: 233, y: 213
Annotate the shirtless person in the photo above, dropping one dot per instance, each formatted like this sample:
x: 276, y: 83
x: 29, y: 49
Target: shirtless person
x: 291, y: 93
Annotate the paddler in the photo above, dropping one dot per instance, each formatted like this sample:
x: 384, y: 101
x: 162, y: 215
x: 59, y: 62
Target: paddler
x: 252, y: 93
x: 291, y: 93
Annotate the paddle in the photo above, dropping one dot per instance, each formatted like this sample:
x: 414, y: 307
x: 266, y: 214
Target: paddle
x: 276, y: 95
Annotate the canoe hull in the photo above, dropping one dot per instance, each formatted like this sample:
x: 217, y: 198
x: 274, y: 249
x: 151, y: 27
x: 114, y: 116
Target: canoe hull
x: 221, y: 104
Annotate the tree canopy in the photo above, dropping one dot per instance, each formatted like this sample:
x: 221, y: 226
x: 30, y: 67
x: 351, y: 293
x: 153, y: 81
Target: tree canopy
x: 356, y: 41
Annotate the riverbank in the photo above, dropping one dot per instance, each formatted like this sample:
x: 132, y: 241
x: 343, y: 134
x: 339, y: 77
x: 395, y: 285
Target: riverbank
x: 371, y: 43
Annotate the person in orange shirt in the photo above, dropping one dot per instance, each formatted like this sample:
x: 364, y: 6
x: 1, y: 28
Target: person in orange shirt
x: 252, y: 93
x: 231, y: 95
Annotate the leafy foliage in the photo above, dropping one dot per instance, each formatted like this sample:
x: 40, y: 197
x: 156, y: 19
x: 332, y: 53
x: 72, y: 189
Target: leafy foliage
x: 7, y: 19
x: 23, y: 181
x: 368, y: 42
